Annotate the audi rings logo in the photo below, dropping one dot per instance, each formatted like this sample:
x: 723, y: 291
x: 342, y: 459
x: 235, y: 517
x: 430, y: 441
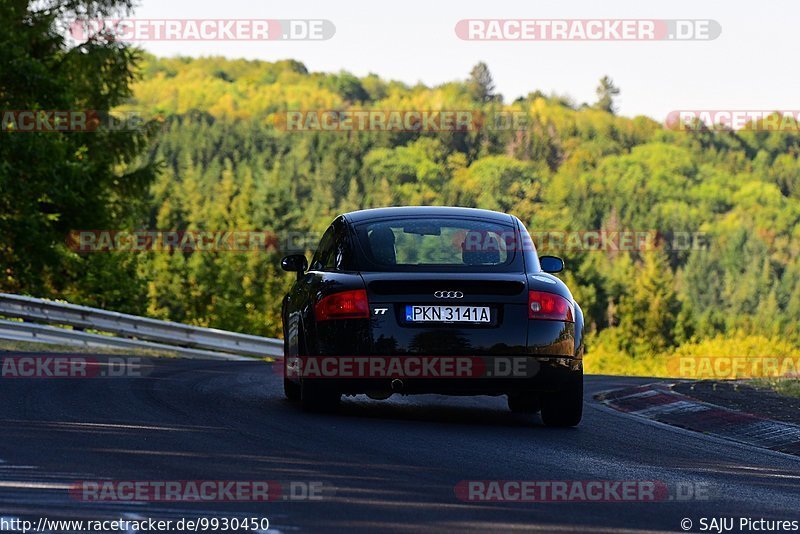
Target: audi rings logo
x: 448, y: 295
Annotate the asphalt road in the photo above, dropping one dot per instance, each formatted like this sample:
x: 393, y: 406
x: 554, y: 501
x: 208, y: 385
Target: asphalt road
x: 389, y: 465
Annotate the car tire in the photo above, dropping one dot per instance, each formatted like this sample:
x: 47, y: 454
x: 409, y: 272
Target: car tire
x: 564, y: 408
x: 523, y: 403
x: 291, y: 390
x: 316, y: 397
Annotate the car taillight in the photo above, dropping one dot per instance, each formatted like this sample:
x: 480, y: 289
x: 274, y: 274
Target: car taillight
x: 542, y: 305
x: 345, y: 305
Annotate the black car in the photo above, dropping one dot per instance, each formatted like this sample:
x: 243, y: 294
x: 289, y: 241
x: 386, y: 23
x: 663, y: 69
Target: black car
x: 432, y: 300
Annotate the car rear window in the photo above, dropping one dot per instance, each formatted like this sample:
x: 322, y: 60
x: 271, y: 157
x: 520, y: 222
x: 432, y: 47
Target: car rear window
x: 437, y: 244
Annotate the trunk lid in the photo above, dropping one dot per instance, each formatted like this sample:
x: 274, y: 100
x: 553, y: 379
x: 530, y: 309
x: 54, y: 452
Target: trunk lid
x: 504, y: 294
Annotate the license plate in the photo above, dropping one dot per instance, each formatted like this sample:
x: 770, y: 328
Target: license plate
x: 447, y: 314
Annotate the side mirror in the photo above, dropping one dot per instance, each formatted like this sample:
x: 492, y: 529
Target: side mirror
x: 551, y: 264
x: 295, y: 263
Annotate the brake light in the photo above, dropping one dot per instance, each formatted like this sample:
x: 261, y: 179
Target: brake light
x: 542, y: 305
x: 345, y: 305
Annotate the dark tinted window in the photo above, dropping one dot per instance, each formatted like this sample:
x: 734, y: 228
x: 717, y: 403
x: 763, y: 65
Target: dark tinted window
x: 331, y: 254
x: 420, y: 244
x: 323, y: 257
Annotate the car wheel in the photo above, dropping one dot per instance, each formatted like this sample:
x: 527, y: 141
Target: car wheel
x: 316, y: 397
x: 523, y: 403
x: 565, y: 407
x: 291, y: 390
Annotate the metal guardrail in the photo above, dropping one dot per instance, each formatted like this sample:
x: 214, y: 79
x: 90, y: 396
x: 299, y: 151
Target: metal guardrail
x: 132, y: 330
x: 36, y: 333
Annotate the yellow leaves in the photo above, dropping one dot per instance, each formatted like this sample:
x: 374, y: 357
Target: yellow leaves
x: 230, y: 89
x: 224, y: 108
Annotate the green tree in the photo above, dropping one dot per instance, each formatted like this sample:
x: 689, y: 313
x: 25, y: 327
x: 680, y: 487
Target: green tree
x: 54, y: 182
x: 649, y: 309
x: 480, y: 83
x: 349, y: 87
x: 606, y: 93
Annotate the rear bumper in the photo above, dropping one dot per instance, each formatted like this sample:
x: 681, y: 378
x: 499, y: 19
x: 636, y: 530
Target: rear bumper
x: 499, y: 375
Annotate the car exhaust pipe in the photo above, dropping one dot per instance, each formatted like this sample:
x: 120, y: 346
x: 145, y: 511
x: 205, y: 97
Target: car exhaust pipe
x: 397, y: 385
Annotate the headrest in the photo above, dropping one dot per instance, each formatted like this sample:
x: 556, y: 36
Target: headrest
x: 381, y: 242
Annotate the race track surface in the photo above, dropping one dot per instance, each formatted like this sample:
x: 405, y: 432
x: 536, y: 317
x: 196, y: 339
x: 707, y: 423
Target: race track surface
x: 382, y: 465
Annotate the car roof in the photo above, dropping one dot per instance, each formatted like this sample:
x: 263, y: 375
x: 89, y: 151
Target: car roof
x: 426, y: 211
